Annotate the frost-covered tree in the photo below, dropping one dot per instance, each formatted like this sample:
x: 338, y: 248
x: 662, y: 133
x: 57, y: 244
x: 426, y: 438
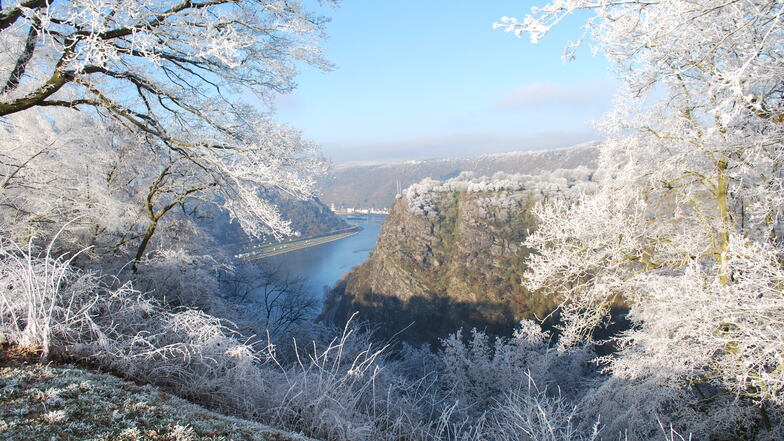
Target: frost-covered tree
x: 273, y: 300
x: 62, y: 166
x: 686, y: 225
x: 178, y: 75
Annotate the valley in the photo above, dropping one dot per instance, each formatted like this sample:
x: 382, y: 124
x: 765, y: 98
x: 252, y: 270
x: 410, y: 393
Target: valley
x: 176, y: 238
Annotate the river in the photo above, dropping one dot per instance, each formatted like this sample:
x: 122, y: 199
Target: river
x: 323, y: 265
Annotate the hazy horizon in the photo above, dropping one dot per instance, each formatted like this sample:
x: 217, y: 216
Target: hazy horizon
x: 417, y: 80
x: 457, y: 147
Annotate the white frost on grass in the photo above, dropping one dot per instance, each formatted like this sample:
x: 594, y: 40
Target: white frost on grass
x: 103, y: 407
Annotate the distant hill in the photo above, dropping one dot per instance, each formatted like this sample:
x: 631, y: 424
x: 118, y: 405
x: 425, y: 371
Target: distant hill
x: 374, y: 185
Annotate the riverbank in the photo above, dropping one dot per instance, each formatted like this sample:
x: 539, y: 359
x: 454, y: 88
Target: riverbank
x: 277, y: 248
x: 322, y: 266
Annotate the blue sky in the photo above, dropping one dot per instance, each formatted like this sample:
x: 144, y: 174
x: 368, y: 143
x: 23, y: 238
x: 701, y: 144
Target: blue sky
x: 431, y: 78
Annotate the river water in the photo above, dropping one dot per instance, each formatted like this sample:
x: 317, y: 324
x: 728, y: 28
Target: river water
x: 322, y: 265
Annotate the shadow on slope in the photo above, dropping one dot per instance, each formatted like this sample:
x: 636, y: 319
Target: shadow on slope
x: 419, y: 319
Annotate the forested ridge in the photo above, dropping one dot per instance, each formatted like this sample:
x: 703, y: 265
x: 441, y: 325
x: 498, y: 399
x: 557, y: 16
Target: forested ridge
x: 131, y: 128
x: 375, y: 185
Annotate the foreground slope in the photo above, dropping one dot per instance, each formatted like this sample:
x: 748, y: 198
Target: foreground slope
x: 39, y: 402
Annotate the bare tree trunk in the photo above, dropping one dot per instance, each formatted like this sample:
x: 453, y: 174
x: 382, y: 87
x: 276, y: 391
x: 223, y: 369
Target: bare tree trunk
x: 24, y: 58
x: 722, y: 191
x: 143, y: 245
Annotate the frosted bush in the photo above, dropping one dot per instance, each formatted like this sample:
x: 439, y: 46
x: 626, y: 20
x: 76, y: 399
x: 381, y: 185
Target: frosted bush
x: 181, y: 278
x: 344, y: 391
x: 349, y: 388
x: 480, y: 373
x: 538, y: 415
x: 42, y: 302
x: 46, y: 303
x: 339, y: 392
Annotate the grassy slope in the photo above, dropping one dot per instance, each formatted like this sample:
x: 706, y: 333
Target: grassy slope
x: 39, y: 402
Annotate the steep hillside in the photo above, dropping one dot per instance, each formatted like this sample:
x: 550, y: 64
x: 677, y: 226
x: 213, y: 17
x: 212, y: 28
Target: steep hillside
x: 375, y: 185
x: 450, y: 255
x: 308, y: 218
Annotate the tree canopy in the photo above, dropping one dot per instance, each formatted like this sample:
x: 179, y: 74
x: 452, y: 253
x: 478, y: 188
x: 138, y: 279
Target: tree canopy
x: 686, y: 227
x: 191, y: 83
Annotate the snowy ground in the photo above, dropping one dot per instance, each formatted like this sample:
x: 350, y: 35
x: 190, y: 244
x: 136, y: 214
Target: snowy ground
x: 39, y: 402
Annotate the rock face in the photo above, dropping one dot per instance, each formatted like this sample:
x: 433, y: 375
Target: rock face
x: 454, y: 260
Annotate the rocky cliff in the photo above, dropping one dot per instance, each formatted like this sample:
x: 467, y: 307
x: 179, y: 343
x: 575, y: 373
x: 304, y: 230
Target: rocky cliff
x: 450, y: 254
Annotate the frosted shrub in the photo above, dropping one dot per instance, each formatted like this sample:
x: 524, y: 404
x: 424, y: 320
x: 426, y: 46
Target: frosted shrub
x: 344, y: 392
x: 42, y: 302
x: 186, y: 351
x: 475, y: 390
x: 538, y: 415
x: 349, y: 389
x: 338, y: 392
x: 46, y: 303
x: 482, y: 375
x: 178, y: 277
